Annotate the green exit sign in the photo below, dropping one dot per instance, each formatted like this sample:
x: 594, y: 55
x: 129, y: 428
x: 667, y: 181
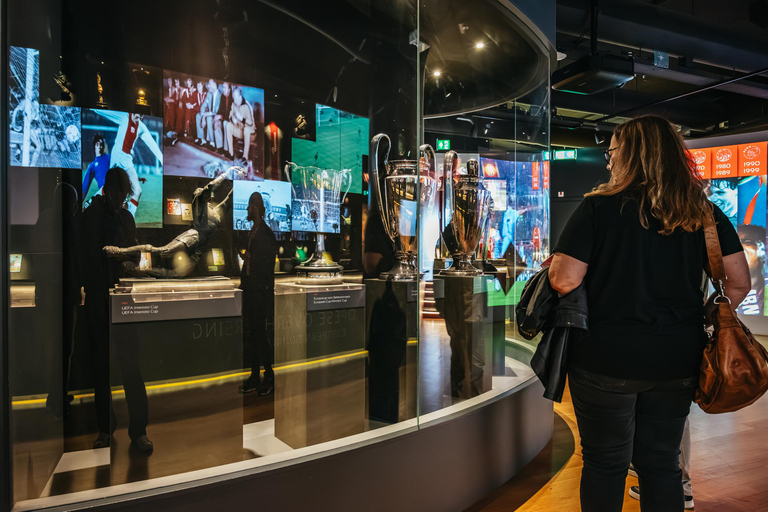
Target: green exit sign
x: 443, y: 144
x: 564, y: 154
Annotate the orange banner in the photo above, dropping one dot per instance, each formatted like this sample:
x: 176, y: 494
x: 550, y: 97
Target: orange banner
x: 535, y: 176
x: 703, y: 160
x: 546, y: 175
x: 752, y: 159
x: 725, y: 162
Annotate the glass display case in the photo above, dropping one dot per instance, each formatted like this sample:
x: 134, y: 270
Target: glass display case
x: 235, y: 244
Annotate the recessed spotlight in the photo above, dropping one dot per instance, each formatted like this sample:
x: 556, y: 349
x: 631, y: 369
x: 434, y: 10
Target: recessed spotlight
x: 480, y: 45
x: 437, y: 73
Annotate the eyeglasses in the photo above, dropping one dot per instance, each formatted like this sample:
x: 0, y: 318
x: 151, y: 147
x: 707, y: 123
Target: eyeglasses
x: 607, y: 154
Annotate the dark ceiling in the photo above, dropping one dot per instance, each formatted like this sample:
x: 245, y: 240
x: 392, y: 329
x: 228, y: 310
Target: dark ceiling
x: 708, y: 42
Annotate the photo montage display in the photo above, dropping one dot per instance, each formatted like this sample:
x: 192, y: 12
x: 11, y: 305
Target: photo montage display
x: 131, y: 142
x: 211, y: 125
x: 735, y: 180
x: 40, y: 135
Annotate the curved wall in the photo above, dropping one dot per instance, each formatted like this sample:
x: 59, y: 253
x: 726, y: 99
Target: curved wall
x: 447, y: 465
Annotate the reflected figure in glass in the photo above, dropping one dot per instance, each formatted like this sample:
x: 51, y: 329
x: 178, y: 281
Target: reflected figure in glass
x: 106, y: 222
x: 186, y: 249
x: 257, y: 280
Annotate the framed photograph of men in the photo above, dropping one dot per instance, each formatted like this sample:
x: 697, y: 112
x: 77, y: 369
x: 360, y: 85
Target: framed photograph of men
x: 211, y: 125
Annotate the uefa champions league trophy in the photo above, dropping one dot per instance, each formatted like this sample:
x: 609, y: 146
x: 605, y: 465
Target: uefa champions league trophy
x: 408, y: 184
x: 471, y: 203
x: 321, y: 187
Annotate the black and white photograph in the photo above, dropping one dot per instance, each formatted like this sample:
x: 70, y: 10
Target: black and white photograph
x: 39, y: 135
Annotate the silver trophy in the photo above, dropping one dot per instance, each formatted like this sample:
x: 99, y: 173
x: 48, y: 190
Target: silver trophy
x: 408, y: 184
x: 317, y: 203
x: 471, y: 203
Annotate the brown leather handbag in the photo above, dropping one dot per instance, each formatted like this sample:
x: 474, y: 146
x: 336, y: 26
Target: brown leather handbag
x: 734, y: 370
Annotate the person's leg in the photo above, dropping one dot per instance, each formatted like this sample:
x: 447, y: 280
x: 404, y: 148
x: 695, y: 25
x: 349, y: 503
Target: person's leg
x: 685, y: 457
x: 209, y: 132
x: 660, y: 418
x: 247, y: 134
x: 135, y: 389
x: 180, y: 116
x: 605, y: 413
x: 199, y: 124
x: 218, y: 133
x: 98, y: 344
x: 230, y: 135
x: 133, y: 204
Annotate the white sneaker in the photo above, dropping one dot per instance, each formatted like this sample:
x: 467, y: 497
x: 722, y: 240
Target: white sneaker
x: 632, y: 471
x: 634, y: 492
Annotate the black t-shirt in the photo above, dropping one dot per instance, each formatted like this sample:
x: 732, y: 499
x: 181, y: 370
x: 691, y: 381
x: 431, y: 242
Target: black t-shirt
x: 644, y: 290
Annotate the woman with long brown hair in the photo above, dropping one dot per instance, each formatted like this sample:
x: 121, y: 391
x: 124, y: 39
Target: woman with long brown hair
x: 637, y: 243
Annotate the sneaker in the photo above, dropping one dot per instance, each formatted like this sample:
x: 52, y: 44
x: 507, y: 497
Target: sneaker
x: 143, y: 444
x: 632, y: 471
x: 103, y: 441
x: 267, y: 387
x: 249, y: 386
x: 634, y: 492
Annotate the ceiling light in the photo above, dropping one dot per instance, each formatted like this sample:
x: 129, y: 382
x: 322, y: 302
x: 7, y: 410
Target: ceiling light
x: 437, y: 73
x: 480, y: 45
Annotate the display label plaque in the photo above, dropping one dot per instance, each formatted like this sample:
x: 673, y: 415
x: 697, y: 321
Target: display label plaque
x: 337, y: 299
x: 125, y: 309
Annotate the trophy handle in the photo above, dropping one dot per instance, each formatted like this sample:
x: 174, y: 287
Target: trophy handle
x: 382, y: 200
x: 346, y: 173
x: 450, y: 168
x: 287, y: 170
x: 428, y: 154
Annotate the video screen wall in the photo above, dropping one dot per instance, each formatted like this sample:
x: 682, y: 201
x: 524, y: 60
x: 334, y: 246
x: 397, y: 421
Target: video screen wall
x: 519, y: 220
x: 202, y: 127
x: 735, y: 180
x: 341, y: 142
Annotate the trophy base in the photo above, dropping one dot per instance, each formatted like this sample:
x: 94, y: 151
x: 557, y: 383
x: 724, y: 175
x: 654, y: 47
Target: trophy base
x: 461, y: 267
x: 402, y: 271
x: 310, y: 274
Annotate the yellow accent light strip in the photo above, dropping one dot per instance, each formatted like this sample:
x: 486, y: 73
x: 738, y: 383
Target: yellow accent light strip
x: 38, y: 401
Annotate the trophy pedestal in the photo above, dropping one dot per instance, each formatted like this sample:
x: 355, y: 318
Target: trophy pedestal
x: 166, y: 332
x: 319, y: 342
x: 498, y: 303
x: 392, y: 318
x: 469, y: 322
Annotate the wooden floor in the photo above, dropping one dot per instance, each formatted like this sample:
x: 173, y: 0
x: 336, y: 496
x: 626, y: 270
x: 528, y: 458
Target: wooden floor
x: 729, y: 466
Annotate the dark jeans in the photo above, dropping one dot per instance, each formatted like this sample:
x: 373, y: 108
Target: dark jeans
x: 623, y: 421
x: 258, y: 331
x: 127, y: 358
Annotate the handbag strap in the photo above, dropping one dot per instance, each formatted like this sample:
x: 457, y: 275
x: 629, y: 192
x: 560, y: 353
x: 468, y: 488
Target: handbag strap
x: 715, y: 255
